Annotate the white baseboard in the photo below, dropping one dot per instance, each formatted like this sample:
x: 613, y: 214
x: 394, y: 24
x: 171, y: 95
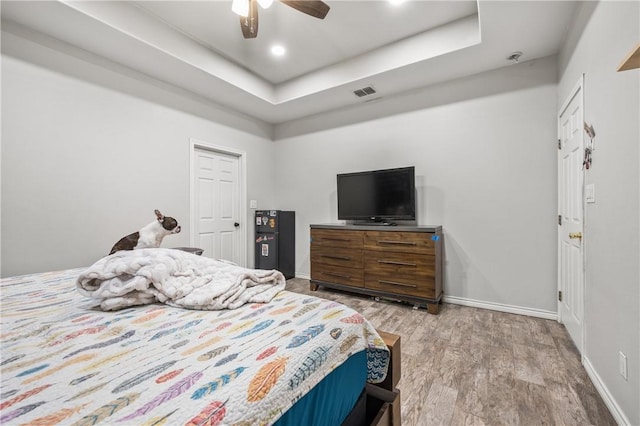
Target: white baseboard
x: 608, y: 399
x: 532, y: 312
x: 538, y: 313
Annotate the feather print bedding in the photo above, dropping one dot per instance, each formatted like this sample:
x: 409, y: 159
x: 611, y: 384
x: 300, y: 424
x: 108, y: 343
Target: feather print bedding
x: 65, y: 361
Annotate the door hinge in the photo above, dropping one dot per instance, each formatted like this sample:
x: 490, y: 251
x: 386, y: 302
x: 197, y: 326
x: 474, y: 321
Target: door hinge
x: 560, y: 219
x: 560, y: 296
x: 559, y: 144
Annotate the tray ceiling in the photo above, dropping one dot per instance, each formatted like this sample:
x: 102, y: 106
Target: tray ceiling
x: 198, y: 46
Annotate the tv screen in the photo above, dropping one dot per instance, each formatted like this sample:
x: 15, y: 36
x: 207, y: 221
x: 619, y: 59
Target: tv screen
x: 377, y: 195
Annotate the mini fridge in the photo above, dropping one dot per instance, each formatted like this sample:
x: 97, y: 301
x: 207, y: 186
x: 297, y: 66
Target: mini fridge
x: 276, y: 241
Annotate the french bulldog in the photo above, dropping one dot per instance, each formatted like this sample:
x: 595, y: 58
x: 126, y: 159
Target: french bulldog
x: 149, y: 236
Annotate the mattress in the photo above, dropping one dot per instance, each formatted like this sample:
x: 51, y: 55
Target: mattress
x: 65, y: 361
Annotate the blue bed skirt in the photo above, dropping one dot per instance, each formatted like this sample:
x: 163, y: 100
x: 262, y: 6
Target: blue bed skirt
x: 330, y: 401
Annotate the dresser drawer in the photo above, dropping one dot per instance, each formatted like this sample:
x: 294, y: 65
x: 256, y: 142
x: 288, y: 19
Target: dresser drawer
x: 334, y: 238
x: 400, y: 242
x: 337, y: 274
x: 336, y: 256
x: 410, y: 265
x: 400, y: 284
x: 404, y: 273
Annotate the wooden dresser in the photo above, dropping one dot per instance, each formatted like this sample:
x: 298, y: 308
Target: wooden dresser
x: 397, y: 262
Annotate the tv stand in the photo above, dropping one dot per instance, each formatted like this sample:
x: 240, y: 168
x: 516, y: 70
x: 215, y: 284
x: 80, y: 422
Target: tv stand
x: 396, y: 262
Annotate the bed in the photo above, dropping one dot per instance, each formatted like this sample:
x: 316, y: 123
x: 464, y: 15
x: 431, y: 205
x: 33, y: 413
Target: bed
x: 297, y: 359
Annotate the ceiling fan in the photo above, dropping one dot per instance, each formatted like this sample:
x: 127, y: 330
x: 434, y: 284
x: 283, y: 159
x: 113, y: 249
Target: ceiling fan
x: 248, y: 11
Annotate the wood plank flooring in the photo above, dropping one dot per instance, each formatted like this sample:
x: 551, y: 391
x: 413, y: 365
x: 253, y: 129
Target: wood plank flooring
x: 469, y: 366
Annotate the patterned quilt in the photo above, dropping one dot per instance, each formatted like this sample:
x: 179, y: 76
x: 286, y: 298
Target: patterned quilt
x: 65, y: 361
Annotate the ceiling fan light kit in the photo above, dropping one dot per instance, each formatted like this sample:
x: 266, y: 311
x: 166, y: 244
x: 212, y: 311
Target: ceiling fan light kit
x: 249, y: 23
x: 265, y: 4
x: 248, y: 11
x: 240, y: 7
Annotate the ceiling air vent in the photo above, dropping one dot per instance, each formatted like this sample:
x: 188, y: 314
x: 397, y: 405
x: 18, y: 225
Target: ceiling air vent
x: 365, y: 91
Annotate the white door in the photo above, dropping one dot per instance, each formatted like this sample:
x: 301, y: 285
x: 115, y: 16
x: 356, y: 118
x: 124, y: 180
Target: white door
x: 216, y: 207
x: 570, y: 219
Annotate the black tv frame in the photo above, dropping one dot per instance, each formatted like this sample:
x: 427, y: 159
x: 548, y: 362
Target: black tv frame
x: 380, y: 219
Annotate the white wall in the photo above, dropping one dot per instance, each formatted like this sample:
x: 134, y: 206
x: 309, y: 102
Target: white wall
x: 84, y: 164
x: 603, y: 36
x: 486, y: 171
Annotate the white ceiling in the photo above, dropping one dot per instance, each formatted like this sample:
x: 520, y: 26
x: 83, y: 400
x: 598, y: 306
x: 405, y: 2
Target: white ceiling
x: 198, y: 46
x: 312, y: 43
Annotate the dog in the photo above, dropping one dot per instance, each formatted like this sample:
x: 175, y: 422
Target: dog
x: 149, y: 236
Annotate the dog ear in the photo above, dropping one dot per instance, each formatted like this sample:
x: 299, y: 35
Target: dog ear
x: 159, y: 215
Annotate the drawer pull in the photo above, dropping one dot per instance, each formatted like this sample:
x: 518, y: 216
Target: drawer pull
x: 395, y: 283
x: 336, y: 239
x: 391, y: 262
x: 335, y: 274
x: 330, y: 256
x: 404, y: 243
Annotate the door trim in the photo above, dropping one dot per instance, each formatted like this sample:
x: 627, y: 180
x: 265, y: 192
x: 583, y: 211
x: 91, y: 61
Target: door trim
x: 242, y: 175
x: 579, y: 87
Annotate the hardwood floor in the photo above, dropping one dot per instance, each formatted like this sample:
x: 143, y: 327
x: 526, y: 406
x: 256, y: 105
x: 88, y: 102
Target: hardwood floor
x: 469, y: 366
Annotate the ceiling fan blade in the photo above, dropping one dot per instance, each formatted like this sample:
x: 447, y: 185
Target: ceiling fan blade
x: 249, y: 24
x: 317, y: 9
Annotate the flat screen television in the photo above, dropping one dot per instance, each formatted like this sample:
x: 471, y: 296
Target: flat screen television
x: 377, y: 195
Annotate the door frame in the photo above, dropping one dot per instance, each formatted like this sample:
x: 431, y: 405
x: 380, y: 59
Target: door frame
x: 579, y: 87
x: 242, y: 176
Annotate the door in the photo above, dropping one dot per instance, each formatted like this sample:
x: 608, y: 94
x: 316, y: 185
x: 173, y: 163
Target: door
x: 571, y: 215
x: 216, y: 207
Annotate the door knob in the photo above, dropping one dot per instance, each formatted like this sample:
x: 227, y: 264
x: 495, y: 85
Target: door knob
x: 574, y: 235
x: 236, y: 224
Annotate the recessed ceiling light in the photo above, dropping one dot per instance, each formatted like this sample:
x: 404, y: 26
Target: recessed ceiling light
x: 396, y: 2
x: 278, y: 50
